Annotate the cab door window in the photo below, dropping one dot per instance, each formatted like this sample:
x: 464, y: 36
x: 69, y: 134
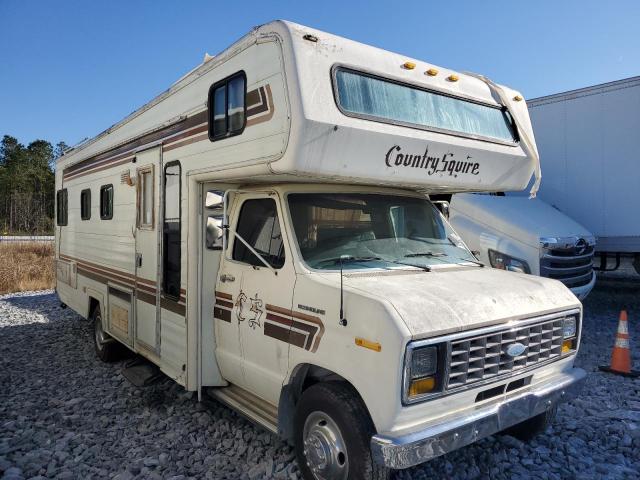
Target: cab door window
x: 259, y: 225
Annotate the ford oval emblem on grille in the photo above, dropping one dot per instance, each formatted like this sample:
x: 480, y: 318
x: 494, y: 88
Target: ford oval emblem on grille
x: 515, y: 350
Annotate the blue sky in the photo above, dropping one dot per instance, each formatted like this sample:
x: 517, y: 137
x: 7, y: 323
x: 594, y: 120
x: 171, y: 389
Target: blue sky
x: 70, y: 69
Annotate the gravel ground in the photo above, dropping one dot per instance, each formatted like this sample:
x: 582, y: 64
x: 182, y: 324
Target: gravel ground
x: 64, y: 414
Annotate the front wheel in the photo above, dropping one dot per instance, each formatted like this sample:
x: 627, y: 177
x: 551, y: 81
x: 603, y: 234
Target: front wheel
x: 332, y: 435
x: 534, y: 426
x: 107, y: 348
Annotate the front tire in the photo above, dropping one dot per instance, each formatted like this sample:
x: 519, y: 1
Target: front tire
x: 107, y: 348
x: 531, y: 428
x: 332, y: 435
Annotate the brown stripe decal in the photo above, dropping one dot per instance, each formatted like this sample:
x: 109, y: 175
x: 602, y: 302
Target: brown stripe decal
x: 145, y: 293
x: 145, y: 297
x: 138, y: 142
x: 224, y: 303
x: 256, y: 114
x: 305, y: 331
x: 222, y: 314
x: 277, y: 332
x: 226, y: 296
x: 260, y: 108
x: 172, y: 306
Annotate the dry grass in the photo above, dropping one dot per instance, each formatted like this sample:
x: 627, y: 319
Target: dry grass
x: 26, y: 266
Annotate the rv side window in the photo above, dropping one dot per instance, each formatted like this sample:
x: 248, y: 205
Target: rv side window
x: 106, y: 202
x: 145, y: 197
x: 227, y: 112
x: 85, y: 204
x: 61, y: 207
x: 171, y: 239
x: 258, y: 224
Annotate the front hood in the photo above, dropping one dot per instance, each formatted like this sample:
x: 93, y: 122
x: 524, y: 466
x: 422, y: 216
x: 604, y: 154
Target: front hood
x: 522, y: 218
x: 450, y: 300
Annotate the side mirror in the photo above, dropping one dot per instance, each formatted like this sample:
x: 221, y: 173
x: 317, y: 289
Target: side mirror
x: 443, y: 206
x: 214, y: 232
x: 214, y: 200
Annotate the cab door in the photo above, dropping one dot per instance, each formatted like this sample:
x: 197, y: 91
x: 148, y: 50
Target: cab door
x: 146, y: 258
x: 262, y: 296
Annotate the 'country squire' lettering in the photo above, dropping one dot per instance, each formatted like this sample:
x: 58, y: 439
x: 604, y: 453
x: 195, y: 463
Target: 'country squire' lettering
x: 431, y: 164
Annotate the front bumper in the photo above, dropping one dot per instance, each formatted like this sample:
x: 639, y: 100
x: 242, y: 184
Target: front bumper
x: 407, y: 448
x: 583, y: 291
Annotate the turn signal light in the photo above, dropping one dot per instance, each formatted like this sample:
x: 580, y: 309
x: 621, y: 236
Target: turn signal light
x: 567, y: 346
x: 424, y: 385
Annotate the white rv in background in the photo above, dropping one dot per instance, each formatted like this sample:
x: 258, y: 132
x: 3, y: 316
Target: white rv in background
x: 515, y: 233
x: 260, y: 233
x: 588, y: 145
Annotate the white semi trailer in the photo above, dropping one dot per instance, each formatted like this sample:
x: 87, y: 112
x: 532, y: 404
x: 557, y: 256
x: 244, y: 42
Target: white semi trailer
x: 587, y: 144
x: 260, y: 232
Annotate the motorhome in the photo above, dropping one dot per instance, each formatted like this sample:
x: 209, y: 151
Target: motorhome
x: 260, y: 233
x: 509, y: 231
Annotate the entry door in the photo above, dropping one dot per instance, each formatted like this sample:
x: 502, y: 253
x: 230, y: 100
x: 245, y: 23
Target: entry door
x: 262, y: 297
x: 147, y: 240
x: 215, y: 305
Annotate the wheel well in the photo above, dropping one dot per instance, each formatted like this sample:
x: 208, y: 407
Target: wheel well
x: 303, y: 377
x: 93, y: 304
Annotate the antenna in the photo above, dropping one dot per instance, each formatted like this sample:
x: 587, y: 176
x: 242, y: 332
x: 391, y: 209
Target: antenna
x: 343, y: 321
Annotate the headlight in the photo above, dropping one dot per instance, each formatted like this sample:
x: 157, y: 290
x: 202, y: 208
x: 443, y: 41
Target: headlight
x: 569, y: 334
x: 503, y: 261
x: 424, y: 362
x: 421, y: 372
x: 569, y: 327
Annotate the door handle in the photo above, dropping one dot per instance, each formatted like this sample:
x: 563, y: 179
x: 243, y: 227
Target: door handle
x: 227, y: 278
x: 138, y: 260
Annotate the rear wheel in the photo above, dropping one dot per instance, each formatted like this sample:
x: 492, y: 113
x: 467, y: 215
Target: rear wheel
x: 107, y: 348
x: 332, y: 435
x: 532, y: 427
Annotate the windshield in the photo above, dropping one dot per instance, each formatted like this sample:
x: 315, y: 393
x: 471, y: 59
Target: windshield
x: 372, y: 231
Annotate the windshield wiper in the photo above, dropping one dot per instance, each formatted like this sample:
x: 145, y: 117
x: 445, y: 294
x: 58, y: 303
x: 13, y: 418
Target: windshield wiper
x: 468, y: 260
x: 426, y: 254
x: 349, y: 259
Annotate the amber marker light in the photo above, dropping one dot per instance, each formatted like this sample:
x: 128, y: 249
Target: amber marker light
x: 453, y: 78
x: 567, y: 346
x: 517, y: 98
x: 375, y: 346
x: 422, y: 386
x: 432, y: 72
x: 409, y: 65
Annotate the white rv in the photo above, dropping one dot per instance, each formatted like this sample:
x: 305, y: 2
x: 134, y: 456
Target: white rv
x: 259, y: 231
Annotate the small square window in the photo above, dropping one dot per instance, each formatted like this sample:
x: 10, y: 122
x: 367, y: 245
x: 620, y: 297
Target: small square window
x: 227, y: 107
x: 85, y: 204
x: 106, y: 202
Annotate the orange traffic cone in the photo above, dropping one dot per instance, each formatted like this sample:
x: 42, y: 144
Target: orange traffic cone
x: 621, y: 355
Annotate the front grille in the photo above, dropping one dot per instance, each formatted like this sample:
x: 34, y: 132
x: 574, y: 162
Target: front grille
x: 566, y: 265
x: 482, y: 357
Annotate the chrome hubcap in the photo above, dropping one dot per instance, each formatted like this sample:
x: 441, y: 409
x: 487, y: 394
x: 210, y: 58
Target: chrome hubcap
x: 324, y: 448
